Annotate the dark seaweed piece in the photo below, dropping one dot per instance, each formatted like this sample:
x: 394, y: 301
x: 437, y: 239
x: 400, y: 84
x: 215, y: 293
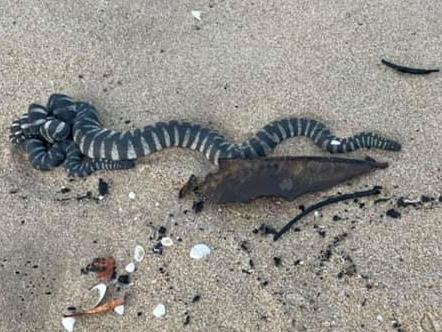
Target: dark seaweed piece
x: 374, y: 191
x: 124, y: 279
x: 392, y: 213
x: 409, y: 70
x: 103, y: 187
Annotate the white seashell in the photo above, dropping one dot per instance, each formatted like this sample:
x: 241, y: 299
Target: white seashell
x: 159, y: 311
x: 335, y: 142
x: 130, y: 268
x: 139, y: 253
x: 196, y: 14
x: 68, y: 323
x: 101, y: 289
x: 132, y: 195
x: 119, y: 309
x: 166, y: 241
x: 199, y: 251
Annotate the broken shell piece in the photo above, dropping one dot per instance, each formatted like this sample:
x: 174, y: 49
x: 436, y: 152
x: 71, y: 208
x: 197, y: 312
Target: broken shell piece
x: 139, y: 253
x: 166, y: 241
x: 130, y: 268
x: 196, y: 14
x: 132, y: 195
x: 119, y: 309
x: 68, y: 323
x: 199, y: 251
x: 159, y: 311
x: 101, y: 289
x: 101, y: 309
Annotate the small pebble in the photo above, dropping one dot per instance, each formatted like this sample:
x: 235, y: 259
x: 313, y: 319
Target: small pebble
x: 158, y: 248
x: 130, y: 268
x: 103, y: 188
x: 392, y: 213
x: 139, y: 253
x: 166, y: 241
x: 119, y: 309
x: 196, y: 14
x: 132, y: 195
x: 124, y: 279
x: 199, y: 251
x: 68, y: 323
x: 159, y: 311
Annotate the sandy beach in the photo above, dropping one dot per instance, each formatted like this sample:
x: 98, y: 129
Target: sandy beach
x: 241, y: 65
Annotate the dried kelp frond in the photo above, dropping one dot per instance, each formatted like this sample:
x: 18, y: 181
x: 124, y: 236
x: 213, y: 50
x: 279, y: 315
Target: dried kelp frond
x: 242, y: 180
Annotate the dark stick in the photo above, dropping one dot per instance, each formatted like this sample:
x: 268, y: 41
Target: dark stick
x: 375, y: 191
x: 409, y: 70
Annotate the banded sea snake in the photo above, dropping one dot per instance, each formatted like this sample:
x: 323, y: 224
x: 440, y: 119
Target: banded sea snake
x: 65, y: 131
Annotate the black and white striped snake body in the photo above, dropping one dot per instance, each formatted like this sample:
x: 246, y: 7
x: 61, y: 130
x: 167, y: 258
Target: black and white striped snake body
x: 98, y: 142
x: 76, y: 127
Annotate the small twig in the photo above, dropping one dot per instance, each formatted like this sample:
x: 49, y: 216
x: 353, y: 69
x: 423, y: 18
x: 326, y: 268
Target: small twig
x: 375, y: 191
x: 409, y: 70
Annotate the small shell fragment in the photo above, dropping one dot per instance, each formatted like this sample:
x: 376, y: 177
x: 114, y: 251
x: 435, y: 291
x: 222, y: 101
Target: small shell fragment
x: 159, y: 311
x: 101, y: 289
x: 166, y: 241
x: 335, y: 142
x: 130, y: 268
x: 139, y: 253
x: 196, y: 14
x: 68, y: 323
x: 132, y: 195
x: 199, y: 251
x: 119, y: 309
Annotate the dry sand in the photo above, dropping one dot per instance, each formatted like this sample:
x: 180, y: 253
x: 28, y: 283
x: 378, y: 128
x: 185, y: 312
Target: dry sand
x: 243, y: 65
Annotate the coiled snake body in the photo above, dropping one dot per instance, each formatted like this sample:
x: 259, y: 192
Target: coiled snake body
x: 65, y: 130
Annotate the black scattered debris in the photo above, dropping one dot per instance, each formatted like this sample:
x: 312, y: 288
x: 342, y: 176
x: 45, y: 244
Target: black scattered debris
x: 139, y: 313
x: 13, y: 191
x: 426, y: 199
x: 322, y: 233
x: 124, y: 279
x: 251, y: 263
x: 392, y: 213
x: 336, y: 218
x: 187, y: 319
x: 161, y: 232
x: 277, y: 261
x: 103, y: 187
x: 127, y: 121
x: 86, y: 196
x: 297, y: 262
x: 196, y: 298
x: 381, y: 200
x: 158, y: 248
x: 198, y: 206
x: 265, y: 229
x: 374, y: 191
x: 65, y: 190
x: 409, y: 70
x: 72, y: 308
x: 245, y: 245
